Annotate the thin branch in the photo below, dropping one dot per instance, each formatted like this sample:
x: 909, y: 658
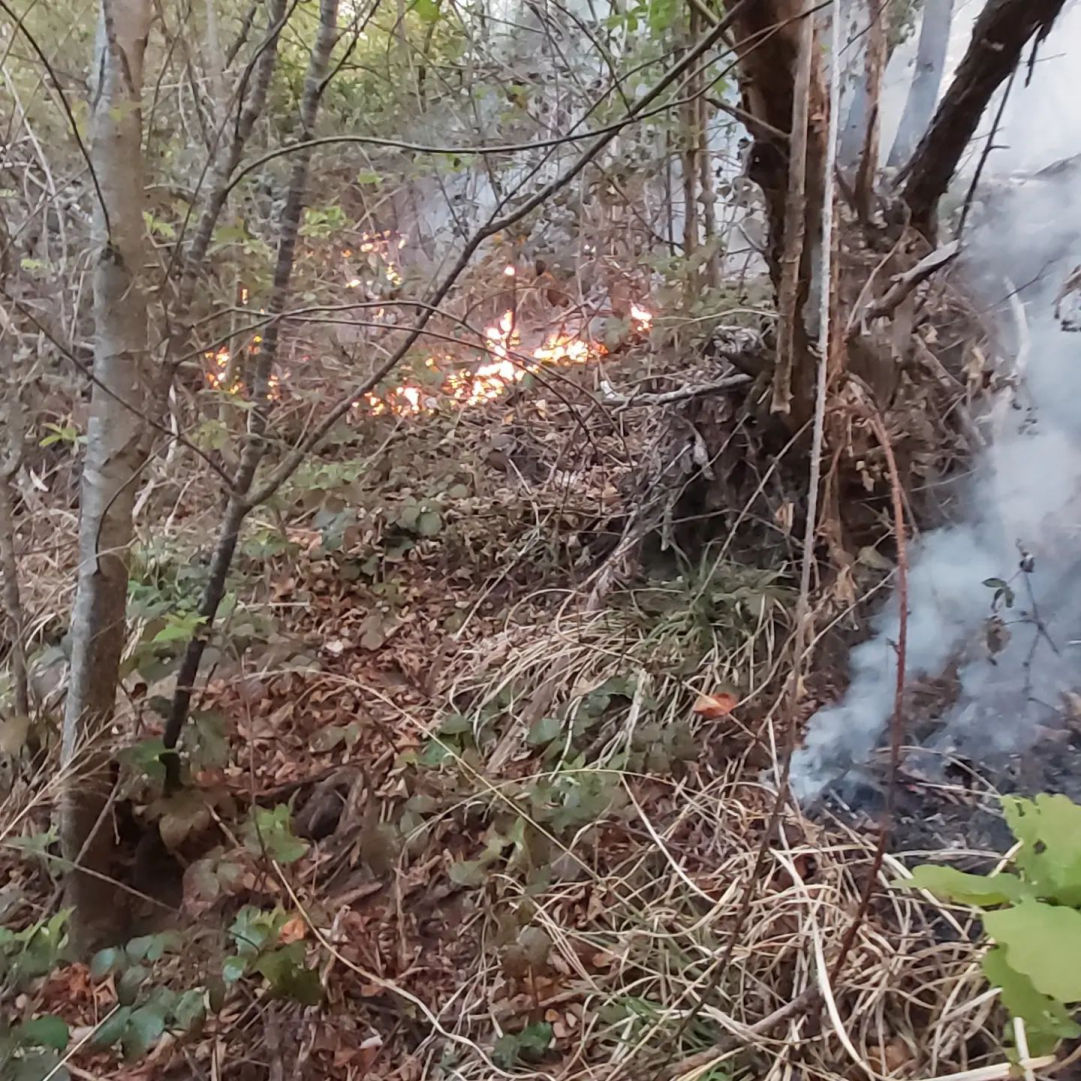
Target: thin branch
x: 18, y: 20
x: 494, y: 226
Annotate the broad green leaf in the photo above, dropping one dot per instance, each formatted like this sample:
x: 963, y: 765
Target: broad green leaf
x: 1046, y: 1019
x: 967, y: 889
x: 1042, y: 942
x: 544, y: 731
x: 429, y: 523
x: 1049, y: 828
x: 428, y: 10
x: 129, y: 983
x: 104, y: 961
x: 38, y: 1067
x: 49, y: 1031
x: 189, y: 1008
x: 112, y: 1028
x: 145, y: 1026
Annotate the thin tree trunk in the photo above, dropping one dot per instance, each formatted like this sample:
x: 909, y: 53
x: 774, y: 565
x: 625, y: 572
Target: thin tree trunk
x: 255, y: 444
x: 779, y: 90
x: 999, y: 37
x: 875, y: 64
x: 795, y: 223
x: 926, y: 79
x: 115, y: 433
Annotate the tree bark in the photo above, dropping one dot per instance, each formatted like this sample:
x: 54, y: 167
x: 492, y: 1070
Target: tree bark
x: 115, y: 432
x: 875, y: 63
x: 771, y: 43
x: 926, y: 79
x: 999, y: 37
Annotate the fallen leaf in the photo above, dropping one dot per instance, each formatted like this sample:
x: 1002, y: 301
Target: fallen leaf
x: 712, y: 706
x: 292, y: 930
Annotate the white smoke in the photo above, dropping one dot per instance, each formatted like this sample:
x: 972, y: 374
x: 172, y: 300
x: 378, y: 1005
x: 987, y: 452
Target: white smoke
x: 1024, y: 495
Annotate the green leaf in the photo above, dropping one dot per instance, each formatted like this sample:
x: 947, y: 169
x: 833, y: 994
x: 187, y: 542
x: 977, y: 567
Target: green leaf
x: 1042, y: 942
x: 178, y: 628
x: 1049, y: 829
x: 953, y: 885
x: 284, y: 970
x: 145, y: 1026
x: 427, y: 10
x: 1046, y: 1020
x: 455, y: 724
x: 271, y: 829
x: 429, y: 523
x: 112, y: 1028
x: 49, y: 1031
x: 544, y: 731
x: 529, y: 1045
x: 467, y: 873
x: 233, y: 968
x: 104, y: 961
x: 129, y: 983
x: 37, y: 1067
x: 189, y: 1009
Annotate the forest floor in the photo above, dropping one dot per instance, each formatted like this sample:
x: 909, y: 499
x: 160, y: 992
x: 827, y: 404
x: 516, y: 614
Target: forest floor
x: 522, y: 831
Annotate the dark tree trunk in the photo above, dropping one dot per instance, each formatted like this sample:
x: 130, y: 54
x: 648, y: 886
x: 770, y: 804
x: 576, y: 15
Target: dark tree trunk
x: 998, y: 41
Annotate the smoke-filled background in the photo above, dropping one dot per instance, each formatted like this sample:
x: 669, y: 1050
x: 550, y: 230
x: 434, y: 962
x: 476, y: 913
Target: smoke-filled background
x: 1024, y: 495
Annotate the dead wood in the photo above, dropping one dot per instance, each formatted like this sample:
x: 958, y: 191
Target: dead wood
x: 999, y: 37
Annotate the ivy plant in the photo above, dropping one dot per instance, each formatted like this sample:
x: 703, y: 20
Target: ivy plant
x: 1031, y: 915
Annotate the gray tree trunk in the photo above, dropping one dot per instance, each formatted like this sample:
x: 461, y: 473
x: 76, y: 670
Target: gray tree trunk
x: 926, y: 79
x: 115, y: 433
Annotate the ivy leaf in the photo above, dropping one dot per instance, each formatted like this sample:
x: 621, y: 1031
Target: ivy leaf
x: 953, y: 885
x: 1042, y: 942
x: 1046, y: 1020
x: 48, y: 1031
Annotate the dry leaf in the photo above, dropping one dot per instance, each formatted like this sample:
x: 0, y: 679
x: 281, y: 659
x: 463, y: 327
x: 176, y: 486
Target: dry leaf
x: 712, y: 706
x: 292, y: 930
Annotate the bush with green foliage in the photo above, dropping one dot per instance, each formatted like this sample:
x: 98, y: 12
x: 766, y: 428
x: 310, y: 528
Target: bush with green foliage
x: 1032, y: 915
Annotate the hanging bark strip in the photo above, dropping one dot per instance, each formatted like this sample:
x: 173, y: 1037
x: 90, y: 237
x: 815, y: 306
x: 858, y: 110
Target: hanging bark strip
x: 999, y: 37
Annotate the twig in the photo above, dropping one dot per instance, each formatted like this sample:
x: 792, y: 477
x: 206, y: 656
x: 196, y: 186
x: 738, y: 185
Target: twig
x: 629, y: 401
x: 988, y: 146
x: 903, y: 284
